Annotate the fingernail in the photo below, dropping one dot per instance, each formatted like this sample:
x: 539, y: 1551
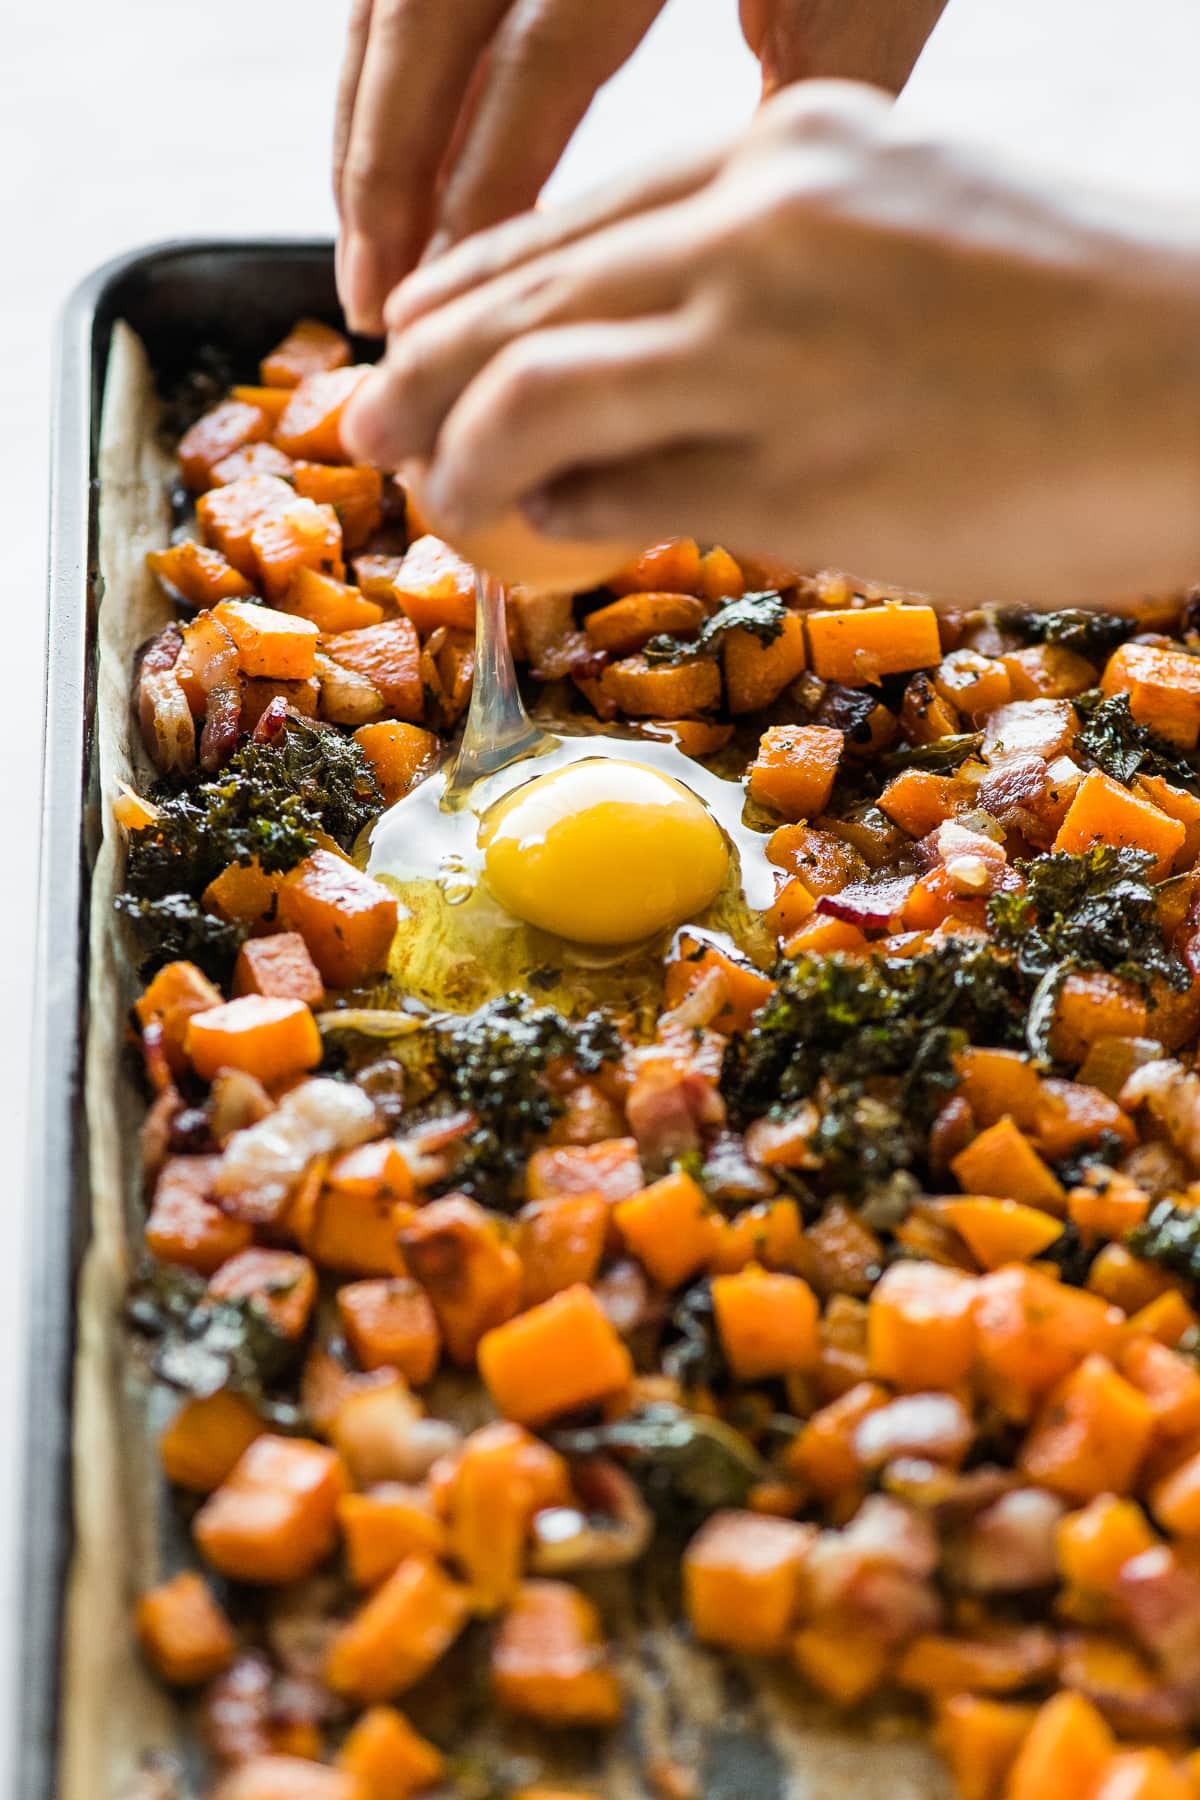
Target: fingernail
x: 361, y: 284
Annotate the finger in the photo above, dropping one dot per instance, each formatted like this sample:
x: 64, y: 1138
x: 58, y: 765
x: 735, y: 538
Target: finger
x: 704, y: 490
x: 547, y: 62
x: 495, y: 252
x: 640, y: 266
x: 416, y: 69
x: 352, y: 62
x: 578, y: 394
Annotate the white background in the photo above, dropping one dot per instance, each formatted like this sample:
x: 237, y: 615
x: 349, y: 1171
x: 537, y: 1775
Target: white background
x: 134, y: 120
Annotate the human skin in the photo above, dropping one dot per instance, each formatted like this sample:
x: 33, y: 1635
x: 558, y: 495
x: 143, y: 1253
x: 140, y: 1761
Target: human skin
x: 839, y: 341
x: 451, y: 116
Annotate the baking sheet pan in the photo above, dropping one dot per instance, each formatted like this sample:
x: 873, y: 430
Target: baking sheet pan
x: 80, y: 1732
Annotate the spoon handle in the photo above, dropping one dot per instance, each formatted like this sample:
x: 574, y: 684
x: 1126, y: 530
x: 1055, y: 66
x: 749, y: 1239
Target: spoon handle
x: 498, y: 730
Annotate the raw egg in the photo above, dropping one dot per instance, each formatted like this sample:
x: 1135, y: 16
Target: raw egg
x: 603, y: 852
x: 512, y: 550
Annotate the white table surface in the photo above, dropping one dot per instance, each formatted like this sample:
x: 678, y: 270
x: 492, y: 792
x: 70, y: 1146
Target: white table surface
x: 137, y: 120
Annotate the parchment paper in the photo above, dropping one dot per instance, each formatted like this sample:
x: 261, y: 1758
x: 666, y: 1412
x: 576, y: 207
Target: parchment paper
x: 749, y: 1733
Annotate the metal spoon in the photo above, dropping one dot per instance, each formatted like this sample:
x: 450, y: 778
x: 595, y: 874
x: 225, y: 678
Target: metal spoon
x: 498, y: 730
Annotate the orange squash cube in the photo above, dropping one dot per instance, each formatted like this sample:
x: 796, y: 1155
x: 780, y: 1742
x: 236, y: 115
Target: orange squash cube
x: 436, y: 586
x: 1092, y: 1434
x: 645, y: 690
x: 400, y: 754
x: 919, y: 801
x: 721, y: 577
x: 330, y: 605
x: 612, y: 1167
x: 272, y: 1039
x: 269, y: 643
x: 309, y: 427
x: 389, y: 655
x: 794, y: 770
x: 1104, y: 812
x: 756, y: 673
x: 228, y: 516
x: 668, y: 1226
x: 251, y: 459
x: 1092, y: 1546
x: 1002, y: 1163
x: 1067, y: 1750
x: 1175, y: 1500
x: 767, y: 1323
x: 391, y: 1324
x: 672, y: 567
x: 746, y: 988
x: 398, y: 1635
x: 504, y: 1476
x: 549, y: 1661
x: 857, y: 645
x: 973, y: 683
x: 174, y: 996
x: 464, y: 1259
x: 206, y: 1438
x: 554, y: 1358
x: 299, y: 535
x: 560, y: 1242
x: 1163, y: 687
x: 823, y: 1454
x: 742, y: 1577
x: 1031, y: 1330
x: 1000, y: 1231
x: 920, y: 1330
x: 346, y: 918
x: 274, y: 1519
x: 390, y: 1759
x: 280, y: 967
x: 227, y: 427
x: 384, y: 1526
x: 282, y: 1284
x: 628, y: 624
x: 308, y: 348
x: 245, y: 892
x: 354, y: 1232
x: 185, y: 1225
x: 183, y: 1632
x: 843, y: 1663
x: 980, y: 1738
x: 199, y: 576
x: 354, y: 492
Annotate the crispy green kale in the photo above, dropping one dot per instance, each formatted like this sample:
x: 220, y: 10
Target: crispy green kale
x: 1094, y: 635
x: 762, y: 614
x: 695, y: 1357
x: 1122, y: 747
x: 940, y: 757
x: 1095, y: 910
x: 494, y: 1062
x: 1170, y: 1236
x: 268, y: 802
x: 873, y: 1043
x: 687, y: 1464
x: 176, y: 928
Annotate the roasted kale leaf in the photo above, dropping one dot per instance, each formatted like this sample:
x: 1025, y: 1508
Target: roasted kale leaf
x: 207, y: 1345
x: 174, y: 927
x: 686, y: 1463
x: 494, y: 1063
x: 763, y: 614
x: 1091, y: 634
x: 1170, y: 1236
x: 1123, y: 747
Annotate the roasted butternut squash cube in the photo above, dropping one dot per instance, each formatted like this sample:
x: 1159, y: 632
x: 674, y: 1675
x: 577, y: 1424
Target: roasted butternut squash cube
x: 628, y: 624
x: 1163, y: 687
x: 742, y: 1581
x: 503, y: 1478
x: 794, y: 770
x: 228, y: 516
x: 389, y: 656
x: 646, y: 690
x: 767, y: 1323
x: 251, y: 459
x: 309, y: 428
x: 550, y: 1661
x: 398, y: 1635
x: 280, y: 1283
x: 1104, y: 812
x: 300, y: 535
x: 269, y: 643
x: 186, y: 1226
x: 858, y: 645
x: 465, y: 1260
x: 1065, y: 1751
x: 280, y: 967
x: 1000, y: 1231
x: 391, y: 1324
x: 671, y: 567
x: 746, y: 988
x: 756, y: 671
x: 206, y: 1438
x: 560, y: 1242
x: 330, y: 605
x: 243, y: 891
x: 1003, y: 1163
x: 721, y: 577
x: 176, y: 993
x: 1091, y: 1436
x: 920, y: 1330
x: 274, y: 1519
x: 227, y: 427
x: 1093, y: 1545
x: 183, y: 1632
x: 435, y: 586
x: 1031, y: 1330
x: 272, y: 1039
x: 196, y: 575
x: 388, y: 1757
x: 554, y: 1358
x: 346, y: 918
x: 400, y: 754
x: 980, y: 1739
x: 668, y: 1226
x: 354, y: 492
x: 843, y: 1662
x: 384, y: 1526
x: 612, y: 1167
x: 308, y: 348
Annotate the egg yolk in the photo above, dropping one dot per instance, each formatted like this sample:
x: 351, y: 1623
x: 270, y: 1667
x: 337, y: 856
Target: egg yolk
x: 603, y: 852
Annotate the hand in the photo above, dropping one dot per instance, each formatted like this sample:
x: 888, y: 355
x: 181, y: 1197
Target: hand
x: 843, y: 346
x: 452, y: 113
